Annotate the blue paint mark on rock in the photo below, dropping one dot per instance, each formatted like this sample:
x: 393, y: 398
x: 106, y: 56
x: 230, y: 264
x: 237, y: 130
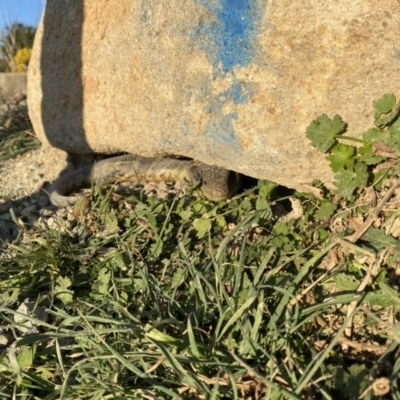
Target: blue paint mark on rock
x: 239, y: 92
x: 229, y: 38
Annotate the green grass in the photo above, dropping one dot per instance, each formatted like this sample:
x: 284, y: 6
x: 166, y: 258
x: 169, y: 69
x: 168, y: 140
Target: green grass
x: 182, y: 298
x: 151, y: 298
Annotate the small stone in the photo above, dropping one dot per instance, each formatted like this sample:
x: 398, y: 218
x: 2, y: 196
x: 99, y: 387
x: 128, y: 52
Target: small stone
x: 4, y: 207
x: 30, y: 210
x: 18, y: 98
x: 71, y: 217
x: 42, y: 223
x: 3, y: 340
x: 29, y: 308
x: 43, y: 203
x: 62, y: 212
x: 47, y: 212
x: 50, y: 222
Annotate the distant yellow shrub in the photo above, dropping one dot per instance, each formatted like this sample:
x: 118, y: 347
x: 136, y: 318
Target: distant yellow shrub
x: 21, y: 59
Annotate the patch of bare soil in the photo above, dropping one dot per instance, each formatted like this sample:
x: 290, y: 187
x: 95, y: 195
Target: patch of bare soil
x: 24, y: 175
x: 27, y: 174
x: 23, y: 181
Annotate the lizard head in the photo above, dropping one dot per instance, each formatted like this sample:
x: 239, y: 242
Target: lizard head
x: 216, y: 183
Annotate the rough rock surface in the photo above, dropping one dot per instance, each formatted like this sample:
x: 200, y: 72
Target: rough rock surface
x: 232, y: 83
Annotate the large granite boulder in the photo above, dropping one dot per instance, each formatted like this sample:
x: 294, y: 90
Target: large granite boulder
x: 228, y: 82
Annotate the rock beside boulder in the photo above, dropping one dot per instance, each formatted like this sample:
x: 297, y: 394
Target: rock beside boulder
x: 232, y: 83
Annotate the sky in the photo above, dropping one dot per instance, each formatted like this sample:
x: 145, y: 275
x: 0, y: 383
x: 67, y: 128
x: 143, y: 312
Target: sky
x: 27, y: 12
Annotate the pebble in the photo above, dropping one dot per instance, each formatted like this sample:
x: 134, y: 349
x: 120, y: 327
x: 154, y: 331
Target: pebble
x: 3, y: 339
x: 4, y: 207
x: 29, y: 308
x: 29, y: 210
x: 47, y: 212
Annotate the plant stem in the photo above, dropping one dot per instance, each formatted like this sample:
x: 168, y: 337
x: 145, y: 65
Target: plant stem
x: 350, y: 138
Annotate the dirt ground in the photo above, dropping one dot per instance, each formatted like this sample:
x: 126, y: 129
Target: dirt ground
x: 28, y: 174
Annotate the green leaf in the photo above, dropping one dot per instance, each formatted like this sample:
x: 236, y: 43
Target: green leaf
x: 164, y: 337
x: 266, y: 188
x: 25, y: 357
x: 202, y: 226
x: 280, y: 228
x: 243, y: 294
x: 352, y: 381
x: 393, y: 137
x: 346, y: 282
x: 387, y: 104
x: 322, y: 131
x: 186, y: 215
x: 178, y: 278
x: 384, y: 105
x: 262, y: 203
x: 111, y: 222
x: 62, y: 289
x: 374, y: 135
x: 325, y: 210
x: 341, y: 156
x: 395, y: 130
x: 391, y: 296
x: 396, y: 332
x: 282, y: 241
x: 366, y: 155
x: 348, y: 180
x: 221, y: 221
x: 104, y: 277
x: 230, y: 343
x: 378, y: 238
x: 199, y: 207
x: 44, y: 373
